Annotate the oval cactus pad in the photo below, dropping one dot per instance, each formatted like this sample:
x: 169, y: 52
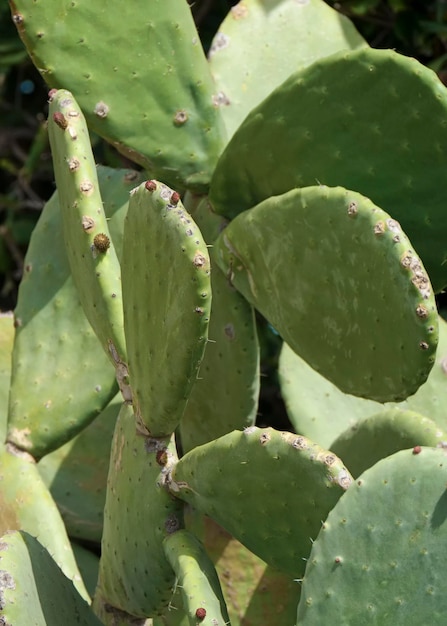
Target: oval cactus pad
x: 380, y: 558
x: 143, y: 83
x: 370, y: 120
x: 167, y: 301
x: 269, y: 489
x: 341, y: 283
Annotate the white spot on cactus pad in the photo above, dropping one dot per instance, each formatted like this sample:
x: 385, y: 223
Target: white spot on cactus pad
x: 239, y: 11
x: 73, y: 164
x: 220, y: 99
x: 219, y: 42
x: 101, y: 109
x: 393, y: 226
x: 419, y: 277
x: 86, y: 187
x: 88, y: 223
x: 343, y: 479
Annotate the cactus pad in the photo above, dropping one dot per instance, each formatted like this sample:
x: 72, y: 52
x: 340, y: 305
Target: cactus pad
x: 383, y: 434
x: 33, y: 589
x: 134, y: 574
x: 197, y: 579
x: 225, y: 394
x: 261, y: 43
x: 347, y: 120
x: 143, y: 84
x: 341, y: 283
x: 320, y: 411
x: 26, y: 504
x: 76, y: 475
x: 95, y: 268
x: 269, y: 489
x: 167, y: 299
x: 379, y: 558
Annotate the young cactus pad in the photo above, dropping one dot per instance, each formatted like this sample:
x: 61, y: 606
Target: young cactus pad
x: 33, y: 589
x: 143, y: 81
x: 197, y: 579
x: 383, y: 434
x: 380, y: 558
x: 339, y: 280
x: 91, y: 253
x: 134, y: 574
x: 260, y: 43
x: 348, y: 120
x: 167, y: 301
x: 269, y: 489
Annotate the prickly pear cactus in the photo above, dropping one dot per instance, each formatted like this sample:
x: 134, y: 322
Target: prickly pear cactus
x: 379, y: 558
x: 41, y: 599
x: 328, y: 237
x: 155, y: 104
x: 167, y: 309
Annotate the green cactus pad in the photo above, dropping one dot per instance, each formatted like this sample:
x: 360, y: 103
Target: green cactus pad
x: 26, y: 504
x: 76, y: 475
x: 197, y: 579
x: 88, y: 563
x: 167, y: 300
x: 139, y: 513
x: 383, y: 434
x: 225, y: 394
x: 143, y: 81
x: 6, y: 345
x: 348, y: 120
x: 379, y: 558
x: 269, y: 489
x: 260, y: 43
x: 52, y: 414
x: 315, y: 406
x: 91, y: 253
x: 320, y: 411
x: 340, y: 282
x: 33, y: 589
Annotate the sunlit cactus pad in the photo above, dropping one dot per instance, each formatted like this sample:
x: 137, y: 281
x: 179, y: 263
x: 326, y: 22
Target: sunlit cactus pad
x: 341, y: 283
x: 269, y: 489
x: 379, y: 558
x: 369, y: 120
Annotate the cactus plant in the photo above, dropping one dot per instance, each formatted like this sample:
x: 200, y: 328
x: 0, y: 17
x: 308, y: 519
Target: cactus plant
x: 301, y: 191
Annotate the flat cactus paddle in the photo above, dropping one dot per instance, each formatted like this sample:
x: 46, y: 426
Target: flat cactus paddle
x: 260, y: 43
x: 225, y: 394
x: 383, y: 434
x: 155, y: 105
x: 348, y: 120
x: 76, y: 475
x: 320, y: 411
x: 379, y: 558
x: 26, y: 504
x: 91, y: 253
x: 134, y: 574
x: 197, y: 579
x: 34, y: 590
x: 167, y: 301
x: 341, y: 283
x: 269, y: 489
